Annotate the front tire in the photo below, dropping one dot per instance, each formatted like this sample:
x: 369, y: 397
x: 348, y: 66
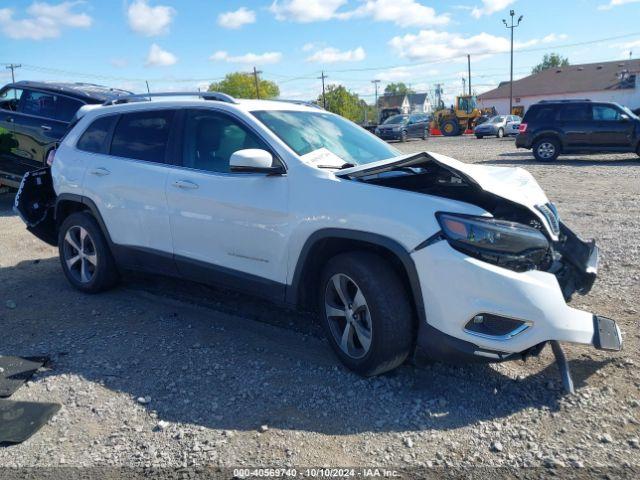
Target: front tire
x: 450, y: 128
x: 403, y: 136
x: 479, y: 137
x: 366, y: 313
x: 546, y: 149
x: 85, y: 256
x: 500, y: 133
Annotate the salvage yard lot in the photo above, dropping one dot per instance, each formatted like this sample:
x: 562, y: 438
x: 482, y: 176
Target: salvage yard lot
x: 161, y: 372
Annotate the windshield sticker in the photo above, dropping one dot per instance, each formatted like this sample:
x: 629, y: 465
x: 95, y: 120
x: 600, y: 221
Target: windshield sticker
x: 322, y: 158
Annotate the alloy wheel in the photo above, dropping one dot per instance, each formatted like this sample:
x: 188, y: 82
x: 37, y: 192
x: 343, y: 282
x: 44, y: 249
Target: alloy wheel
x: 546, y: 150
x: 348, y: 316
x: 79, y: 254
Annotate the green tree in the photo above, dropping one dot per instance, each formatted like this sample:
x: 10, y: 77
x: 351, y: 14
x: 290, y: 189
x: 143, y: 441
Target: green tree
x: 243, y: 85
x: 397, y: 89
x: 343, y: 102
x: 551, y: 60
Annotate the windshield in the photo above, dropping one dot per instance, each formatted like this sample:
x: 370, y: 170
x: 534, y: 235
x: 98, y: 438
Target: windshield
x: 629, y: 112
x: 305, y: 132
x: 396, y: 119
x: 497, y: 119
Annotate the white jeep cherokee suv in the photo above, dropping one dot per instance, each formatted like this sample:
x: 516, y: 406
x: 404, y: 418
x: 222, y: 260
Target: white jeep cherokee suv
x: 293, y: 203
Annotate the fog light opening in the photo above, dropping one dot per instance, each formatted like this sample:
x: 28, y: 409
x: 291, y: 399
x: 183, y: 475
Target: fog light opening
x: 495, y: 327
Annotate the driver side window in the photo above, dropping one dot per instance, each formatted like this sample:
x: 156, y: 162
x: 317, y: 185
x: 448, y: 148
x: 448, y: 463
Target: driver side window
x: 210, y: 138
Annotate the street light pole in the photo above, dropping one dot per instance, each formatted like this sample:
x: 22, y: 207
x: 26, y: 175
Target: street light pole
x: 511, y: 27
x: 376, y: 82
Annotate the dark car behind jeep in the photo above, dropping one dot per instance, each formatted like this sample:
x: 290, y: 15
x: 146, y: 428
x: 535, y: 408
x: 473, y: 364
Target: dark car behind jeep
x: 34, y: 116
x: 551, y: 128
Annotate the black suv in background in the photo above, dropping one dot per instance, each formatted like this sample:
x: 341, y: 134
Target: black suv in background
x: 550, y: 128
x: 403, y: 126
x: 33, y: 118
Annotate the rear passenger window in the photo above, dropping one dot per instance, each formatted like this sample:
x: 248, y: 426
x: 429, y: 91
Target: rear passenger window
x: 142, y: 135
x: 578, y: 112
x: 94, y: 138
x: 49, y: 105
x: 606, y: 113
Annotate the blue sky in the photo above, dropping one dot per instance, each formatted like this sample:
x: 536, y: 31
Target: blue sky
x: 182, y: 45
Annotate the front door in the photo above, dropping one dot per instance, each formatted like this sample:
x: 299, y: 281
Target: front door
x: 610, y: 128
x: 9, y: 161
x: 228, y: 228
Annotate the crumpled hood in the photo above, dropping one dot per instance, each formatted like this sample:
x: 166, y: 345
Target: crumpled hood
x: 511, y: 183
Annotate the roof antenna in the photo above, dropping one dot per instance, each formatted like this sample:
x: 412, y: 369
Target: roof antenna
x: 148, y: 91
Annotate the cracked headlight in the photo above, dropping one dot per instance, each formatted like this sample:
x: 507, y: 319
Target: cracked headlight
x: 507, y: 244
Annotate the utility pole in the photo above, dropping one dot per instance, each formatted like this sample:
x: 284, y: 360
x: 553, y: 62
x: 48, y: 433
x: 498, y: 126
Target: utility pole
x: 438, y: 92
x: 469, y: 70
x: 375, y: 83
x: 12, y: 67
x: 324, y: 101
x: 511, y: 27
x: 255, y: 77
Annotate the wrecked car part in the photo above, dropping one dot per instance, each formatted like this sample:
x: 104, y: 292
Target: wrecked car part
x: 15, y: 371
x: 35, y: 202
x: 507, y: 244
x: 20, y: 420
x: 563, y: 366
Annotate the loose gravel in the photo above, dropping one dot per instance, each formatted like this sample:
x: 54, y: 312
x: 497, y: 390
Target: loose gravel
x: 165, y: 373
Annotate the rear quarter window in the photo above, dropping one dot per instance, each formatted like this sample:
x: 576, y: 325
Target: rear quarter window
x: 95, y: 137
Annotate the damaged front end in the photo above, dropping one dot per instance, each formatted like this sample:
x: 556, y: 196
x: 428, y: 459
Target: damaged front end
x: 35, y: 204
x: 522, y: 234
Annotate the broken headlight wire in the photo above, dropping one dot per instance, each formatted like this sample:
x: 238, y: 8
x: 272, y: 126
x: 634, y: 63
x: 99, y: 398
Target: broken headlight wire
x: 507, y: 244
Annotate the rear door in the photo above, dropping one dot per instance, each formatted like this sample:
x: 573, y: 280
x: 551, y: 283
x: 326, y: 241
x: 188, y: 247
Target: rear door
x: 576, y: 121
x: 126, y: 178
x: 610, y: 128
x: 227, y: 227
x: 41, y: 121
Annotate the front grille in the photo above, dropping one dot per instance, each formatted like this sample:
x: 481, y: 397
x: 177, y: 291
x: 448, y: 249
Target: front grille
x: 550, y: 214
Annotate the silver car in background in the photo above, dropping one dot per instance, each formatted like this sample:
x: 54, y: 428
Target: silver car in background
x: 498, y: 126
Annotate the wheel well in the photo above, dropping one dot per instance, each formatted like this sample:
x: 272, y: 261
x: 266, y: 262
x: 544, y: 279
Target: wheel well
x: 326, y: 248
x: 552, y: 135
x: 64, y: 208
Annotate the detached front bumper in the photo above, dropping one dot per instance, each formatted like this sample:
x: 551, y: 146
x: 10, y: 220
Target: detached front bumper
x: 458, y: 289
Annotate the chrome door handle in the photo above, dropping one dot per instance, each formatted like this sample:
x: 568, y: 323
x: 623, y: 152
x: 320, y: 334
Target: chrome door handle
x: 46, y: 128
x: 100, y: 172
x: 10, y: 119
x: 185, y: 185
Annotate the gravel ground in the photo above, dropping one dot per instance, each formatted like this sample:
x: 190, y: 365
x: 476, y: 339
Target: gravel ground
x: 164, y: 373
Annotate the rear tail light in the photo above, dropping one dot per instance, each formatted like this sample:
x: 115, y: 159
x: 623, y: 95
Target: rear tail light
x: 522, y: 128
x: 51, y: 156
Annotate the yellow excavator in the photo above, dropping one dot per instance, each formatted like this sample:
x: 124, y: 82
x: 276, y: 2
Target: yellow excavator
x: 462, y: 116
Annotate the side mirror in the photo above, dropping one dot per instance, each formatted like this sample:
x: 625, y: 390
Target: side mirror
x: 254, y: 160
x: 624, y: 117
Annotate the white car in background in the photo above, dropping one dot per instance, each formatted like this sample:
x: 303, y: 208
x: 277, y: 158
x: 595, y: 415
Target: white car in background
x: 293, y: 203
x: 498, y: 126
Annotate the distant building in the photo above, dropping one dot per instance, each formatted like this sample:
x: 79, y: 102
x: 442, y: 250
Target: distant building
x: 617, y: 81
x: 419, y: 103
x: 394, y: 102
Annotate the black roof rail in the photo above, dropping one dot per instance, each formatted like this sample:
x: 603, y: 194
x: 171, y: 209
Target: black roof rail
x: 569, y: 100
x: 297, y: 102
x: 141, y: 97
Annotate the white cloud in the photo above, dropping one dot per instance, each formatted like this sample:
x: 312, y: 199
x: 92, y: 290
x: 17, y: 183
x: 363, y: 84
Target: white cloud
x: 489, y: 7
x: 248, y: 58
x: 305, y: 11
x: 236, y: 19
x: 333, y: 55
x: 160, y: 58
x: 149, y: 21
x: 404, y: 13
x: 399, y: 74
x: 44, y: 20
x: 553, y: 37
x: 615, y: 3
x: 430, y: 45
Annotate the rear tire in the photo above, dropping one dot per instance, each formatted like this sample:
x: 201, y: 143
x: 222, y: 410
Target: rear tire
x: 500, y: 133
x: 479, y: 137
x: 425, y: 134
x: 366, y: 313
x: 85, y: 256
x: 403, y: 136
x: 546, y: 149
x: 450, y: 128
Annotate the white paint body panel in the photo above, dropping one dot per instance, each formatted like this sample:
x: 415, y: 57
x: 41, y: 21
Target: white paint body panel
x: 259, y: 224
